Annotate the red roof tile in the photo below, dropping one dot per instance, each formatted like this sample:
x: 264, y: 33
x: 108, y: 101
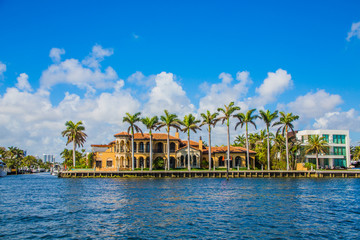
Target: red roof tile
x: 155, y: 136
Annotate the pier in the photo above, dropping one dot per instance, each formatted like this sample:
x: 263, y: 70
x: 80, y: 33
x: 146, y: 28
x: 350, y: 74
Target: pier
x: 210, y: 174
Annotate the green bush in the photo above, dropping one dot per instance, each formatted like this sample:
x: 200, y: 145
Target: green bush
x: 158, y: 163
x: 308, y: 166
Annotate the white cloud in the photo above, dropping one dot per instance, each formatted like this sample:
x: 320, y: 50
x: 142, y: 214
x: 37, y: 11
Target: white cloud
x: 31, y: 122
x: 140, y: 79
x: 225, y: 92
x: 349, y: 120
x: 23, y: 83
x: 96, y: 56
x: 274, y: 85
x: 135, y: 36
x: 168, y: 94
x: 55, y: 54
x: 355, y: 31
x: 2, y: 69
x: 85, y: 75
x: 313, y: 105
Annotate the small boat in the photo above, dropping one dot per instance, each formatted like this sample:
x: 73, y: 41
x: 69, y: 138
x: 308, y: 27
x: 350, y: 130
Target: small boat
x: 55, y: 170
x: 35, y: 170
x: 3, y: 172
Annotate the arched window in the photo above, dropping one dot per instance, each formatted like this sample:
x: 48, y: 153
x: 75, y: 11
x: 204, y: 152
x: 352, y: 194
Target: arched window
x: 147, y: 147
x: 237, y: 161
x: 160, y: 148
x: 194, y: 164
x: 221, y: 162
x: 122, y: 146
x: 148, y: 162
x: 141, y: 147
x: 182, y: 161
x: 172, y: 147
x: 141, y: 160
x: 135, y: 146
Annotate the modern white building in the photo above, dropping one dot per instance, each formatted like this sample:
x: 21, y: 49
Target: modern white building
x: 339, y: 147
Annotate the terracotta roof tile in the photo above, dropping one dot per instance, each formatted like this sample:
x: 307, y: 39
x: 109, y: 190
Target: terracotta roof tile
x: 155, y: 136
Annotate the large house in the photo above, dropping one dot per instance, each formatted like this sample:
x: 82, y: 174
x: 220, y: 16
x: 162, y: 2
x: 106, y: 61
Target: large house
x: 338, y: 143
x: 116, y: 155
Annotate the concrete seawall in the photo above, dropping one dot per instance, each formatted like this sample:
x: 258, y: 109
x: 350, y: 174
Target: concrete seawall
x: 210, y: 174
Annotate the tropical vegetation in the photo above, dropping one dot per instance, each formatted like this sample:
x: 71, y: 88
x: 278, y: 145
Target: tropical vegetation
x: 75, y: 134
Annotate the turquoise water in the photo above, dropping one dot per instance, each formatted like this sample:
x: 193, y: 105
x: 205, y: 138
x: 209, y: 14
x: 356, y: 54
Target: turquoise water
x: 41, y: 206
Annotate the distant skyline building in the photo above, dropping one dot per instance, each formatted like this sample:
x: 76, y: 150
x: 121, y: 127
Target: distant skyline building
x: 48, y: 158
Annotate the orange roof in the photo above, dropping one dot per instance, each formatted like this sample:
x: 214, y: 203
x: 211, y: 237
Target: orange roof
x: 155, y: 136
x: 224, y: 149
x: 100, y: 145
x: 192, y: 143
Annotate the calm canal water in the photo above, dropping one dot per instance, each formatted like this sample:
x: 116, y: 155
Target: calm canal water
x: 41, y: 206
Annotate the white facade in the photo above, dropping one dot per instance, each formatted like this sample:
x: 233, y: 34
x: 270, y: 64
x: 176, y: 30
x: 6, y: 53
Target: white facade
x: 339, y: 147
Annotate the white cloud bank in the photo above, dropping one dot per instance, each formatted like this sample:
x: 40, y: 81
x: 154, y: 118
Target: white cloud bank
x: 275, y: 84
x: 354, y: 32
x: 30, y: 120
x: 85, y: 74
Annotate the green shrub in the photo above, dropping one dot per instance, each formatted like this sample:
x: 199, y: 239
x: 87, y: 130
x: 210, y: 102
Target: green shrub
x: 309, y: 165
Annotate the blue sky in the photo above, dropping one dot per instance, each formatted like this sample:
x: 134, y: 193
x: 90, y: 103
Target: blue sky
x: 193, y: 43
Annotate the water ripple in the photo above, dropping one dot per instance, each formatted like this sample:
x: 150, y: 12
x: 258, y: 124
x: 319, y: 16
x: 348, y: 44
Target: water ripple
x: 45, y: 207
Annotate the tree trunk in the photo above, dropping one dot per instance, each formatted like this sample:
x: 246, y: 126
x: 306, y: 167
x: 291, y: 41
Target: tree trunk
x: 74, y: 148
x: 151, y: 156
x: 168, y: 151
x: 209, y: 148
x: 228, y: 149
x: 317, y: 161
x: 247, y: 148
x: 188, y: 150
x: 268, y: 148
x: 287, y: 149
x: 132, y: 150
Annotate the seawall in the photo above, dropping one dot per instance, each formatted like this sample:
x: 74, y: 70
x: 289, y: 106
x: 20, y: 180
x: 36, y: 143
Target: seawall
x: 210, y: 174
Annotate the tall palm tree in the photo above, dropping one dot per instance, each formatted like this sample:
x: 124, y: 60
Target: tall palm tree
x: 75, y: 134
x: 131, y: 120
x: 245, y: 119
x: 285, y: 123
x: 190, y: 124
x: 227, y: 112
x: 210, y: 120
x: 151, y: 124
x: 317, y: 144
x: 169, y: 121
x: 268, y: 117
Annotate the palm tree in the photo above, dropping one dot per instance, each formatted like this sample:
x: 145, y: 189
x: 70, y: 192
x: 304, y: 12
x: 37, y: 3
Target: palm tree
x: 285, y: 123
x: 14, y: 157
x: 151, y: 124
x: 227, y: 112
x: 240, y: 140
x: 317, y: 144
x: 268, y: 117
x: 210, y: 120
x: 355, y: 152
x: 75, y: 134
x: 169, y: 121
x: 132, y: 119
x: 190, y: 123
x: 245, y: 119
